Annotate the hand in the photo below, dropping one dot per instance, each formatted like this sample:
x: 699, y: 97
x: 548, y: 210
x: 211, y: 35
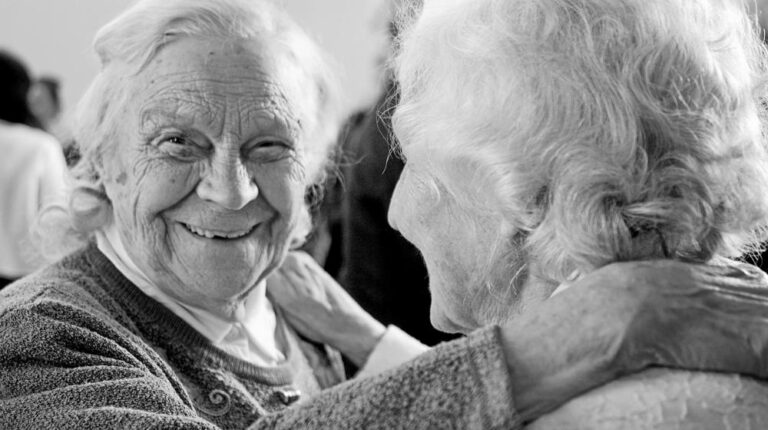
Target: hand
x: 319, y: 308
x: 625, y: 317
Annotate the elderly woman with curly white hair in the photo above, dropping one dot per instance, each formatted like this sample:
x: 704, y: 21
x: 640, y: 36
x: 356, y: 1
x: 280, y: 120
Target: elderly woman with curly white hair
x: 545, y: 139
x: 206, y: 126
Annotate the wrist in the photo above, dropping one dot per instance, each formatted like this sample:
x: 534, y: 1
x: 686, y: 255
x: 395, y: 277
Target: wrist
x: 358, y: 346
x: 545, y: 374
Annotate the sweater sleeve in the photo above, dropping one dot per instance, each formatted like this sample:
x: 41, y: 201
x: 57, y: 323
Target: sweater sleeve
x: 462, y: 384
x: 62, y: 368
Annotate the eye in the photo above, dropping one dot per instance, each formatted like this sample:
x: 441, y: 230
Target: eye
x: 176, y: 140
x: 171, y: 139
x: 179, y: 146
x: 269, y: 150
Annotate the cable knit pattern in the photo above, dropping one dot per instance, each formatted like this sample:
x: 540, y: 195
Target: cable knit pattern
x: 82, y: 348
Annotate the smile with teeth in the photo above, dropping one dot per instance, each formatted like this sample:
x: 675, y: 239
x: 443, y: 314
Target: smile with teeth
x: 211, y: 234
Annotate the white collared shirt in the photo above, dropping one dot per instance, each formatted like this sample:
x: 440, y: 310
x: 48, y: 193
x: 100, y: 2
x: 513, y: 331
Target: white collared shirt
x: 253, y: 335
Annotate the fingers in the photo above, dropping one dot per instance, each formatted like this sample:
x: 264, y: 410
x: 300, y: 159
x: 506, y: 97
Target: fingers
x: 280, y: 289
x: 292, y: 284
x: 301, y: 265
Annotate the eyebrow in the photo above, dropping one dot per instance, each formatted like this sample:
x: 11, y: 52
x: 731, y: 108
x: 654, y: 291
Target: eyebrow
x: 182, y: 111
x: 178, y: 110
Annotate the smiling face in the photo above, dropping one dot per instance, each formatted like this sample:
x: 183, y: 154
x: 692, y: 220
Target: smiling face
x: 205, y: 177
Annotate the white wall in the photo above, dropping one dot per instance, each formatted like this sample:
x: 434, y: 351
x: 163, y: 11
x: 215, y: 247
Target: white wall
x: 354, y: 33
x: 54, y: 37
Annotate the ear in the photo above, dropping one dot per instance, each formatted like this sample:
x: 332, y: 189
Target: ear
x: 90, y: 207
x: 302, y: 229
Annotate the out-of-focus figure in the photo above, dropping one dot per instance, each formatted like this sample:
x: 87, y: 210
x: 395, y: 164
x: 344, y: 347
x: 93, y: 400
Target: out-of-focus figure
x: 31, y: 171
x: 46, y: 105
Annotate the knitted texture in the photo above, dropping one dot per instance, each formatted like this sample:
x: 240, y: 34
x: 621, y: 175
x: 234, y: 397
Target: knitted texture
x: 462, y: 384
x: 81, y: 347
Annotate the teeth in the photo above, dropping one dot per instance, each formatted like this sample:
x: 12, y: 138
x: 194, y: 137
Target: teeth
x: 210, y: 235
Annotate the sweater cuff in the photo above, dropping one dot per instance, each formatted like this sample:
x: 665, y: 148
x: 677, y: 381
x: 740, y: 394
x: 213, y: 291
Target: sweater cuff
x: 494, y: 377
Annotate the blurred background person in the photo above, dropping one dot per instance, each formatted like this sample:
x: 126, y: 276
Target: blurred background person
x: 46, y: 105
x: 32, y: 170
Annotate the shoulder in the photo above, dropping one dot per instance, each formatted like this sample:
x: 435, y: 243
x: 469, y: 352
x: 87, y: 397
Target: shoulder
x: 64, y: 315
x: 29, y: 147
x: 64, y: 297
x: 60, y: 340
x: 669, y: 399
x: 65, y: 282
x: 20, y: 135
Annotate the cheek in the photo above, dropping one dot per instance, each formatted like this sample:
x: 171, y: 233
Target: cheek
x: 281, y: 188
x: 162, y: 186
x: 396, y: 215
x: 411, y: 206
x: 141, y: 194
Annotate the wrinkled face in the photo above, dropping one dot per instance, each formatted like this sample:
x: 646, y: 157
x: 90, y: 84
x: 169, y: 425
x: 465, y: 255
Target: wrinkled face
x: 206, y: 178
x: 469, y: 286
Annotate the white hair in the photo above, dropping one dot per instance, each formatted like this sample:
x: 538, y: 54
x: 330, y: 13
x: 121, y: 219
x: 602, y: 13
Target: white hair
x: 130, y: 41
x: 596, y: 130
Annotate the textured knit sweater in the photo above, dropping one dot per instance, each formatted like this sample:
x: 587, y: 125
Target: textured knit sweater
x: 81, y: 347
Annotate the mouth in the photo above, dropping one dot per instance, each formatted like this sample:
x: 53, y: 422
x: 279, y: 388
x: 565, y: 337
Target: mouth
x: 218, y: 234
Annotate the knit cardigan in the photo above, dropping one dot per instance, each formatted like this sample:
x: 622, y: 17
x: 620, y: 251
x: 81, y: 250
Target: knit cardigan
x: 83, y: 348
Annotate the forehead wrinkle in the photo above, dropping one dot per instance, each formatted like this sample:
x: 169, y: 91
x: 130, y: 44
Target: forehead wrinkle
x: 274, y: 114
x: 198, y: 82
x: 208, y: 98
x: 178, y: 110
x: 265, y: 110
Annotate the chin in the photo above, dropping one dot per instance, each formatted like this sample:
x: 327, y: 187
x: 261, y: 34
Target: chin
x: 444, y: 323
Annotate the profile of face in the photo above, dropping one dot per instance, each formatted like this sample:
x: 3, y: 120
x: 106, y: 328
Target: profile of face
x: 205, y: 177
x: 471, y: 283
x: 423, y: 218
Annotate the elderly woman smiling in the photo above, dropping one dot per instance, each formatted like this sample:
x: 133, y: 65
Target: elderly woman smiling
x: 200, y: 136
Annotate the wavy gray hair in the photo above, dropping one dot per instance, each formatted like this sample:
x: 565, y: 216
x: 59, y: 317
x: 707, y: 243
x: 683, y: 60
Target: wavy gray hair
x: 129, y: 42
x: 595, y: 130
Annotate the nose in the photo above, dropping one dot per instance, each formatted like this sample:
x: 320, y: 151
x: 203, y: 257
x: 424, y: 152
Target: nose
x: 228, y: 183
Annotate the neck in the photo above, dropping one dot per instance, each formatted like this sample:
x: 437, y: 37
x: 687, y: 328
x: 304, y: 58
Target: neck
x: 236, y: 309
x: 501, y: 304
